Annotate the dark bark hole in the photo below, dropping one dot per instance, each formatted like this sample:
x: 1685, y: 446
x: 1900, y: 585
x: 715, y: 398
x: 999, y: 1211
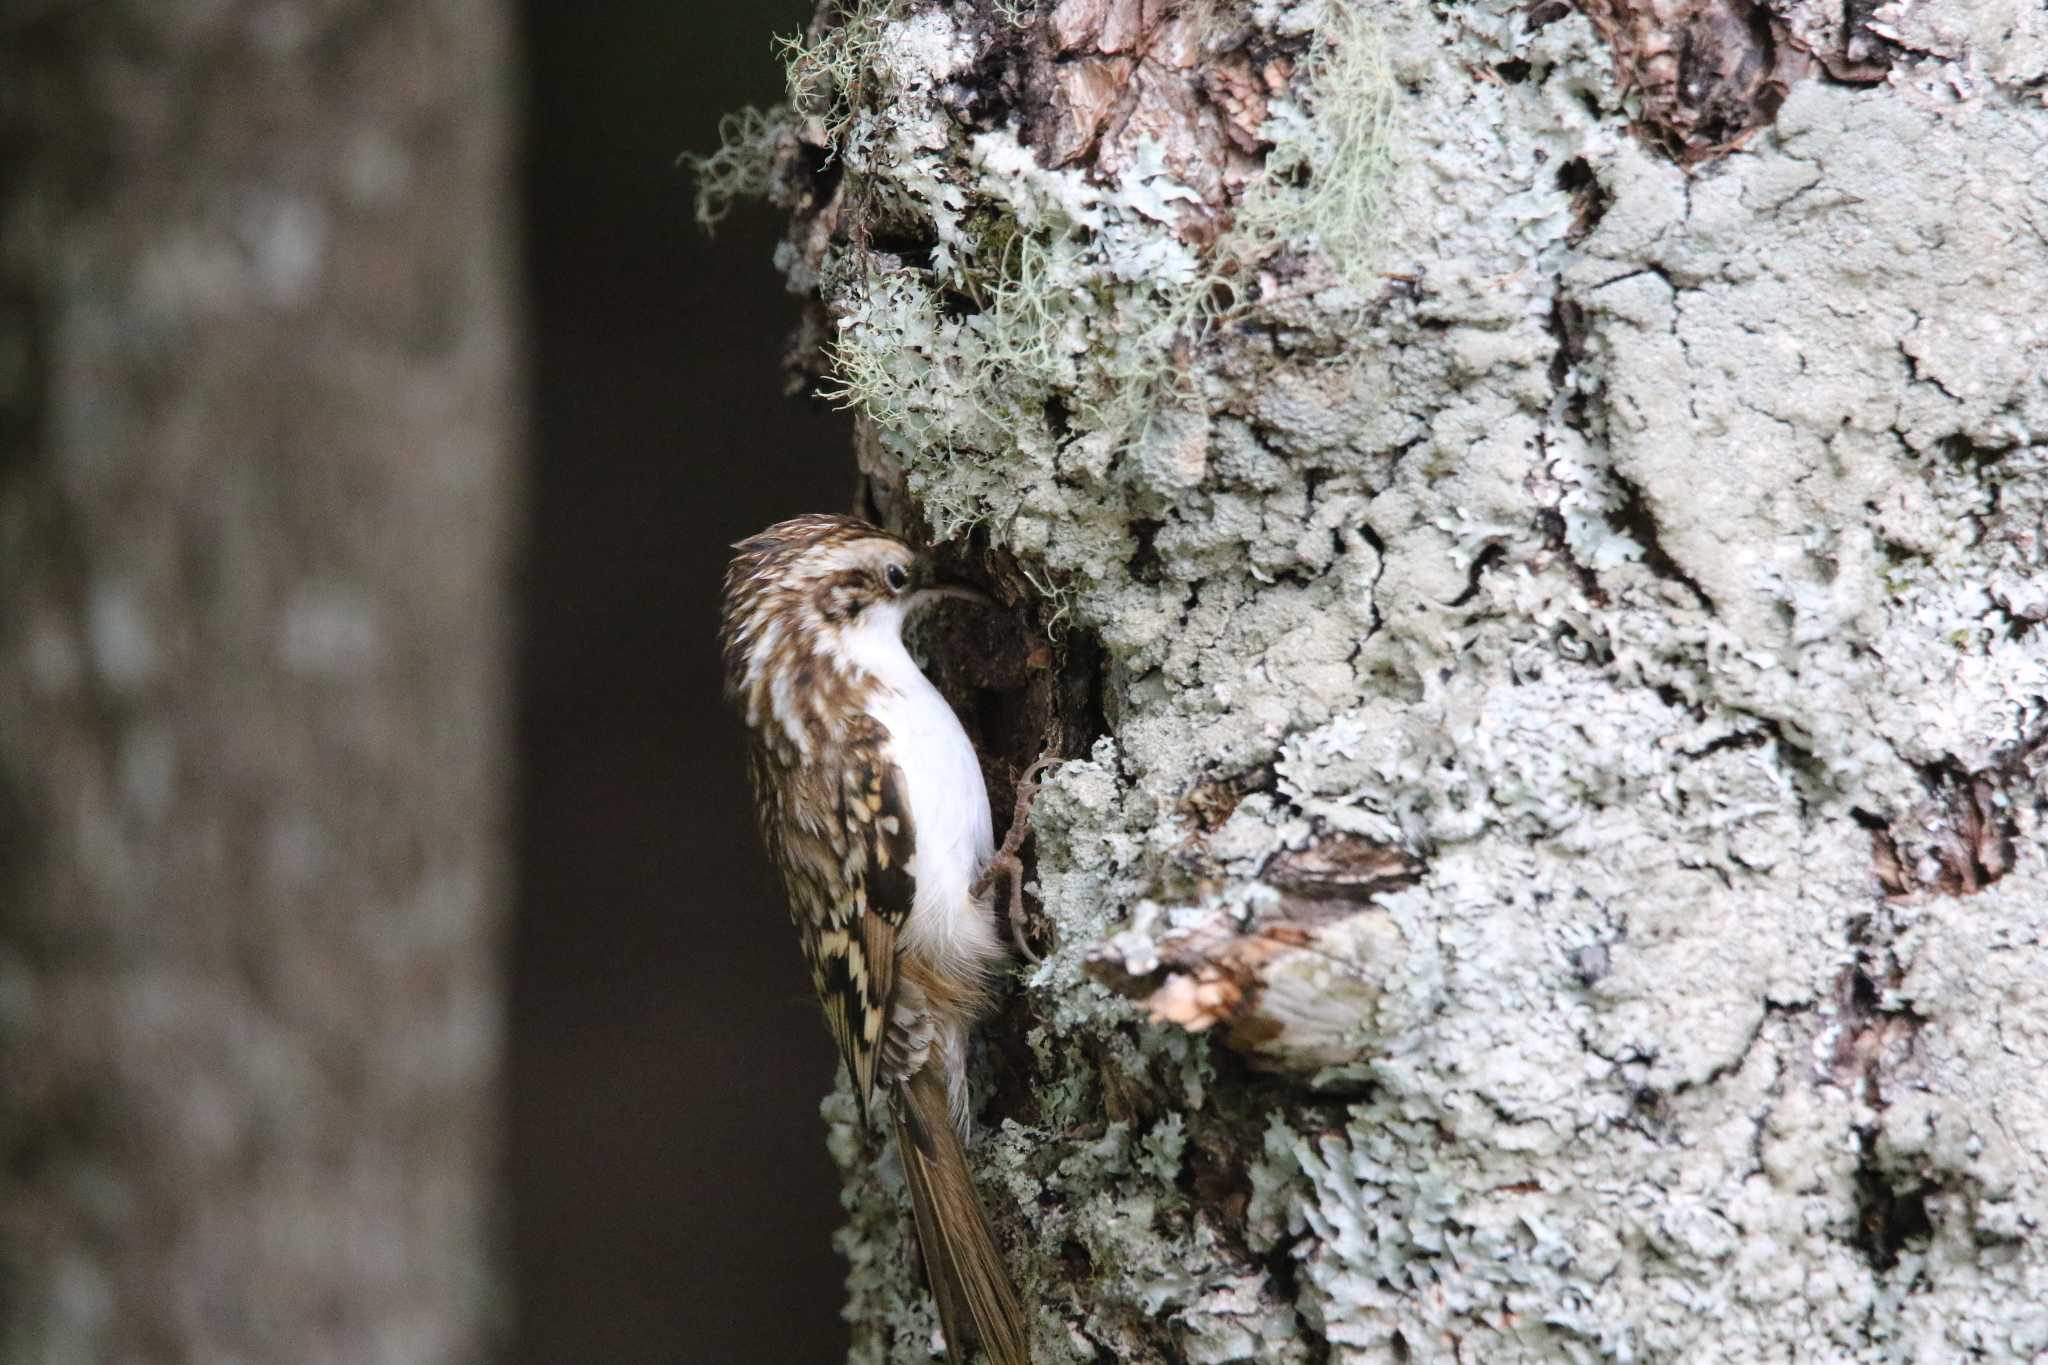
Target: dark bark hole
x: 1567, y: 324
x: 1082, y: 683
x: 1768, y: 101
x: 1727, y: 81
x: 914, y: 249
x: 1059, y: 419
x: 1865, y: 55
x: 1963, y: 450
x: 1888, y: 1219
x: 997, y: 713
x: 1977, y: 833
x: 1514, y: 71
x: 1223, y: 295
x: 1080, y: 1265
x: 823, y: 170
x: 983, y: 97
x: 1589, y: 197
x: 955, y: 305
x: 1282, y: 1269
x: 1144, y: 565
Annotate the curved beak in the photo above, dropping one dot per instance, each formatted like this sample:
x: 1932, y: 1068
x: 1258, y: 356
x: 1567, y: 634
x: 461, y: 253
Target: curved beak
x: 928, y: 587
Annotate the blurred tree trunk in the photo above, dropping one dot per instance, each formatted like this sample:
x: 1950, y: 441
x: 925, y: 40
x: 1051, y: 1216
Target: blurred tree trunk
x: 1538, y: 515
x: 257, y: 479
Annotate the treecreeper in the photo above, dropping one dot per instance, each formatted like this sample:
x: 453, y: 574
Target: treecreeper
x: 872, y: 806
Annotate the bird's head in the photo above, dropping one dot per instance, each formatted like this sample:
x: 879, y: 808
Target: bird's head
x: 805, y: 600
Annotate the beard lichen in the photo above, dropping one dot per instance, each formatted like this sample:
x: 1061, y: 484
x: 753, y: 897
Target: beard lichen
x: 1054, y: 315
x: 1325, y: 185
x: 832, y: 71
x: 742, y: 166
x: 954, y: 367
x: 1051, y: 315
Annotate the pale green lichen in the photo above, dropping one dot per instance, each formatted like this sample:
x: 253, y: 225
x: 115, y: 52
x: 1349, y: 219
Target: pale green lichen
x: 1045, y: 293
x: 743, y: 165
x: 1058, y: 596
x: 829, y: 77
x: 1048, y: 292
x: 1039, y: 321
x: 1326, y: 180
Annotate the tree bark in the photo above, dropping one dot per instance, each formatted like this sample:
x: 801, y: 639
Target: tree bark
x: 257, y: 418
x: 1527, y: 527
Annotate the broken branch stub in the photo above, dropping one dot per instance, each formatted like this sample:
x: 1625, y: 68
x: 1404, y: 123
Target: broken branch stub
x: 1294, y: 987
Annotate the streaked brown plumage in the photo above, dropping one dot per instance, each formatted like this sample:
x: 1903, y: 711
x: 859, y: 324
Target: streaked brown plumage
x: 872, y: 806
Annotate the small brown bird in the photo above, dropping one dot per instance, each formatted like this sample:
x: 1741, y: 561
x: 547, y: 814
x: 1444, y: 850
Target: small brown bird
x: 872, y: 805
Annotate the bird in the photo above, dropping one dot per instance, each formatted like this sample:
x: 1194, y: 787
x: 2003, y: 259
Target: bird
x: 871, y: 804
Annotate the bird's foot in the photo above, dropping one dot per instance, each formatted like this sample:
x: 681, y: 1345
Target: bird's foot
x: 1007, y: 860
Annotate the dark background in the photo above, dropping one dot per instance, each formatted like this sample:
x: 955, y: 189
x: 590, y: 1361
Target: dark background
x: 672, y: 1199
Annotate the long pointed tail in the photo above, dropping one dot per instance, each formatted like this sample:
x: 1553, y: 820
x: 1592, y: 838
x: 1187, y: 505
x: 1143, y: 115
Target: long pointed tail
x: 961, y: 1261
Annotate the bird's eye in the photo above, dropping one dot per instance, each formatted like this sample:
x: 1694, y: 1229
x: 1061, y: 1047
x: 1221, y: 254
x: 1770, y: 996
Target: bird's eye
x: 898, y: 577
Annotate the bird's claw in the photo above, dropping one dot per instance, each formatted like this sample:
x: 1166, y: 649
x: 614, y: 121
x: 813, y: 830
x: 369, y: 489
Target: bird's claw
x: 1007, y: 859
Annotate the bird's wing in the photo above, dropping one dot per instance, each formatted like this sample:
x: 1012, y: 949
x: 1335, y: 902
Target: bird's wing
x: 853, y: 954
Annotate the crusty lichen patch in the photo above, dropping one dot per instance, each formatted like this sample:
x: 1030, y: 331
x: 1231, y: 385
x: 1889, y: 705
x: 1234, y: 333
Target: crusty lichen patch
x: 1650, y: 561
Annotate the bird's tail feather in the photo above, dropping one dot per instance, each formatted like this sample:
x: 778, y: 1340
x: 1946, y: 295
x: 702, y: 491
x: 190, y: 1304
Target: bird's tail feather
x: 968, y: 1280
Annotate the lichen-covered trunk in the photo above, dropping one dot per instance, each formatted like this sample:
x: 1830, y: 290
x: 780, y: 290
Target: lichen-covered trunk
x: 1527, y: 525
x: 257, y: 416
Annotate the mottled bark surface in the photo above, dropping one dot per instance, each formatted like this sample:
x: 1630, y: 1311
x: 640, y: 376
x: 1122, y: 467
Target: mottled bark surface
x: 1536, y: 522
x: 256, y: 481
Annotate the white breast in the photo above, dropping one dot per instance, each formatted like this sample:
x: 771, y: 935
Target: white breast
x: 948, y: 802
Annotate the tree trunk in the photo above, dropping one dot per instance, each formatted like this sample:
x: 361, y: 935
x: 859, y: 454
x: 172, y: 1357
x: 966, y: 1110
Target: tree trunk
x: 1538, y: 518
x: 256, y: 481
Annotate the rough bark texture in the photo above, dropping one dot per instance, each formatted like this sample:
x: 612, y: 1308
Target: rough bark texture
x: 1537, y: 519
x: 256, y: 421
